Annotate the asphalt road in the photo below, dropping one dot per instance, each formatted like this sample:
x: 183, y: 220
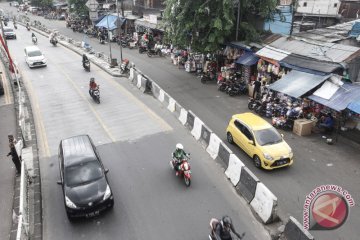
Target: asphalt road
x: 135, y: 136
x: 315, y: 162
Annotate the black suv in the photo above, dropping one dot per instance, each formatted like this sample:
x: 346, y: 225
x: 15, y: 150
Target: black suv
x: 83, y: 178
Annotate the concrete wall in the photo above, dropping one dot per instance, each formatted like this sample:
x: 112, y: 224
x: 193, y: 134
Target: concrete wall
x: 325, y: 7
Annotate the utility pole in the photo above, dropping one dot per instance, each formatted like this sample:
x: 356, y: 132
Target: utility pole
x: 107, y: 20
x: 292, y: 9
x: 238, y: 21
x: 119, y: 27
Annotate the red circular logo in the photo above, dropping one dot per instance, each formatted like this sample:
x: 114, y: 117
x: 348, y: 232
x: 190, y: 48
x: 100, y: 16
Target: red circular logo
x: 330, y: 210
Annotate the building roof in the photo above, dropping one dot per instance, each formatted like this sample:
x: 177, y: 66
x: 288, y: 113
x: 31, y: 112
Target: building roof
x: 322, y: 51
x: 330, y: 34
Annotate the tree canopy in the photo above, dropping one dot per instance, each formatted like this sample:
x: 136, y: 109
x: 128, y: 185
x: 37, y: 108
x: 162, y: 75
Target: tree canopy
x: 41, y: 3
x: 78, y: 7
x: 204, y: 24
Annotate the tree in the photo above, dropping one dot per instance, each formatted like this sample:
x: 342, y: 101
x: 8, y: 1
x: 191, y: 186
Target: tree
x: 204, y: 24
x: 41, y: 3
x: 78, y: 7
x: 201, y: 24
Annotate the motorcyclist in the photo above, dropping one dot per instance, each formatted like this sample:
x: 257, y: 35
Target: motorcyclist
x: 178, y: 155
x: 33, y: 37
x: 92, y: 86
x: 28, y: 26
x: 84, y: 60
x: 52, y: 36
x: 221, y: 230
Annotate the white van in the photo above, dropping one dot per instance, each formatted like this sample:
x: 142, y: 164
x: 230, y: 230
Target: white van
x: 34, y: 57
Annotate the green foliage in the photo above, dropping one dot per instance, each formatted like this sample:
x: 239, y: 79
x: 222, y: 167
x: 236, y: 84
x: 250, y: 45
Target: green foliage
x: 204, y: 24
x: 79, y: 7
x: 41, y: 3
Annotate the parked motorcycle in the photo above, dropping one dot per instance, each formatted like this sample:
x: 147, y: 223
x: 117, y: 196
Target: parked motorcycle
x: 124, y: 67
x: 54, y: 41
x: 102, y: 40
x: 86, y: 66
x: 95, y: 94
x: 34, y: 40
x: 142, y: 49
x: 155, y: 51
x: 237, y: 88
x: 185, y: 171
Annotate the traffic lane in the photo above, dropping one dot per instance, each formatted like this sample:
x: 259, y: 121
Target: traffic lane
x: 183, y: 89
x: 150, y: 201
x: 61, y: 91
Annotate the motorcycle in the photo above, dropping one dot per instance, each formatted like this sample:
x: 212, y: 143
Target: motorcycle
x: 142, y: 49
x: 53, y: 41
x: 124, y: 67
x: 237, y: 89
x: 34, y: 40
x: 86, y: 65
x: 28, y: 28
x: 102, y: 40
x: 95, y: 94
x: 213, y: 224
x: 155, y: 51
x: 185, y: 171
x: 15, y: 26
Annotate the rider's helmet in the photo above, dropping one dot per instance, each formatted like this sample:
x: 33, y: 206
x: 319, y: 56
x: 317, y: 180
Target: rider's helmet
x: 92, y: 80
x: 227, y: 221
x: 179, y: 146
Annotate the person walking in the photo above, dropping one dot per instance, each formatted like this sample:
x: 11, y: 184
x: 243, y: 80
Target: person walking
x: 14, y: 156
x: 257, y: 85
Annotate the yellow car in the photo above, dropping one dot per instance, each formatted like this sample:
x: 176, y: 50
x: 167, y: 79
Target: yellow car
x: 261, y: 141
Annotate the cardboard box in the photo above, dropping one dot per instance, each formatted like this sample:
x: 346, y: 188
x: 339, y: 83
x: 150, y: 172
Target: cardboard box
x: 302, y: 127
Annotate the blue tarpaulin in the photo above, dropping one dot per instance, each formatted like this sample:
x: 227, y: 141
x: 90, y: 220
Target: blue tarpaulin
x: 355, y: 30
x: 247, y: 59
x: 355, y: 105
x: 345, y: 95
x: 99, y: 19
x: 110, y: 22
x: 296, y: 84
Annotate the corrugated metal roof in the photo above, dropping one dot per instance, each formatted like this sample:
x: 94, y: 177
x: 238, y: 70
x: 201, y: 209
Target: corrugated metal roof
x: 297, y: 84
x: 341, y: 99
x: 330, y: 52
x: 272, y: 53
x: 310, y: 63
x: 330, y: 34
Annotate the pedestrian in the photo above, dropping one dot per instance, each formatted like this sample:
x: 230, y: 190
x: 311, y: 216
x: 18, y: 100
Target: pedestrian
x: 257, y: 85
x: 14, y: 156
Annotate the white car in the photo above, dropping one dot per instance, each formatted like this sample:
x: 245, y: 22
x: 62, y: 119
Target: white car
x: 9, y: 33
x: 34, y: 57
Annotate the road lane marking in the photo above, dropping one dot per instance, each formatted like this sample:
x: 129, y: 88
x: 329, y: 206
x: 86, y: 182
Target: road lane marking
x: 154, y: 116
x: 103, y: 125
x: 41, y: 131
x: 163, y: 124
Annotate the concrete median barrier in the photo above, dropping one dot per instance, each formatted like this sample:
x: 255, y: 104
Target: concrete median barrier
x: 131, y: 74
x: 233, y: 171
x: 205, y: 135
x: 224, y: 154
x: 264, y: 204
x: 214, y: 144
x: 196, y: 131
x: 190, y: 120
x: 295, y: 231
x: 156, y: 90
x: 161, y: 95
x: 183, y: 116
x: 247, y: 184
x: 172, y: 105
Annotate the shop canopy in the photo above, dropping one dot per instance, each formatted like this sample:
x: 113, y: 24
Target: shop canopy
x: 309, y: 65
x: 110, y: 22
x: 239, y: 45
x: 247, y: 59
x: 342, y: 98
x: 355, y: 105
x: 355, y: 30
x: 269, y: 52
x: 296, y: 84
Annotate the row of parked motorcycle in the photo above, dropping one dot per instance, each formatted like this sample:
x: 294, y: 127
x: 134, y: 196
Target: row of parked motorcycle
x: 283, y: 113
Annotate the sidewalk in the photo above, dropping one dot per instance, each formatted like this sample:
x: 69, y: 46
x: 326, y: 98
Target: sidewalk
x: 7, y: 168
